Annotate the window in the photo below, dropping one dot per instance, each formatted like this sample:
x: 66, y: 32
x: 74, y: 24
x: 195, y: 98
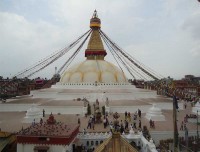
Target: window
x: 42, y: 138
x: 41, y: 148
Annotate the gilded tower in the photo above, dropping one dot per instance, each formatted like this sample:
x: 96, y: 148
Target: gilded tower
x: 95, y: 49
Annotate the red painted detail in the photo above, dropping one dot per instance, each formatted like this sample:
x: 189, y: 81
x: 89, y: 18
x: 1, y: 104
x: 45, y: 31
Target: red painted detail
x: 39, y: 81
x: 48, y: 140
x: 95, y: 53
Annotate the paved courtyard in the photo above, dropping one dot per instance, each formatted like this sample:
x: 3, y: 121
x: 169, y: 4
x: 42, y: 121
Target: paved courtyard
x: 13, y: 121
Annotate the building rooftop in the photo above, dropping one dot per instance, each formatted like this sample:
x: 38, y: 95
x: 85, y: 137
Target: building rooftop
x: 49, y: 132
x: 58, y: 129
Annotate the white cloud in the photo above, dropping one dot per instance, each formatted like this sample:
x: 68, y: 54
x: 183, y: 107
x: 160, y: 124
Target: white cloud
x: 192, y: 28
x: 195, y: 51
x: 192, y: 25
x: 23, y: 43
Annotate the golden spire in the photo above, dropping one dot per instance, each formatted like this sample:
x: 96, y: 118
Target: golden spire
x: 95, y: 42
x: 95, y: 49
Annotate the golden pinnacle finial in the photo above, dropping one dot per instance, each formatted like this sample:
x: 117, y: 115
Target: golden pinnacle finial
x: 95, y: 22
x: 95, y: 14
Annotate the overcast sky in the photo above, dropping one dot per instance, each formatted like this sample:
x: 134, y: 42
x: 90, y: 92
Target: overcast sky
x: 162, y: 34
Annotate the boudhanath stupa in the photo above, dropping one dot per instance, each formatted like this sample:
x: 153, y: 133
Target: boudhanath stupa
x: 92, y: 80
x: 91, y: 77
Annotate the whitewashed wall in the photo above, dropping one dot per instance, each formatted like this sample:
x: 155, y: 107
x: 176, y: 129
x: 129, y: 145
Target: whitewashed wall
x: 52, y: 148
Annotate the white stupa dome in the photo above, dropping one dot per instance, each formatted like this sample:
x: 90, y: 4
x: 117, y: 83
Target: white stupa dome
x: 94, y: 69
x: 91, y: 71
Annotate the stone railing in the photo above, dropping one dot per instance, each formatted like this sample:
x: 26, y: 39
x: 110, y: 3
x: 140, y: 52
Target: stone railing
x: 96, y: 135
x: 124, y: 141
x: 140, y: 141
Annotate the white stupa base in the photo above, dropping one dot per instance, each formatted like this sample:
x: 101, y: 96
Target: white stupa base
x: 33, y: 114
x: 196, y: 108
x: 154, y: 113
x: 155, y: 118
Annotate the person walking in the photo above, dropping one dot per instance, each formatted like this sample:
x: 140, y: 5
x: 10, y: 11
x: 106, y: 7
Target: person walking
x: 104, y: 122
x: 126, y: 114
x: 150, y: 123
x: 92, y: 124
x: 126, y: 124
x: 43, y: 113
x: 89, y: 123
x: 139, y: 113
x: 79, y: 121
x: 185, y: 105
x: 140, y: 124
x: 134, y: 124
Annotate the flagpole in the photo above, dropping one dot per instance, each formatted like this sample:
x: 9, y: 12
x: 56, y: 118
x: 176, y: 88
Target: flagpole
x: 197, y: 129
x: 175, y: 106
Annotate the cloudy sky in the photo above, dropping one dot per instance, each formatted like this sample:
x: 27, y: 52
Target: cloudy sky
x: 162, y: 34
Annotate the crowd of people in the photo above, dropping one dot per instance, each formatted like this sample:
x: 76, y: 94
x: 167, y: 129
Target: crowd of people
x: 130, y: 121
x: 115, y: 123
